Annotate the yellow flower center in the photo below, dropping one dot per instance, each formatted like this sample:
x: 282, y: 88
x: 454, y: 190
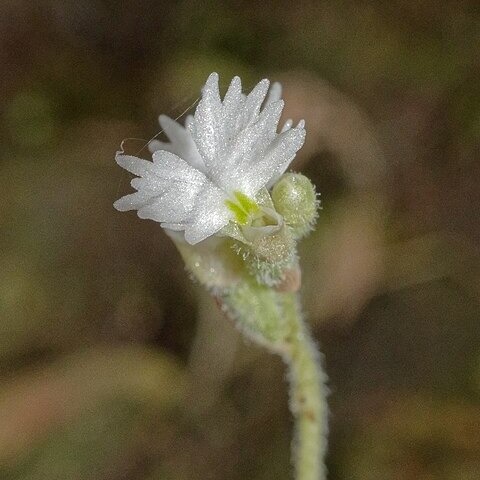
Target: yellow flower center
x: 243, y: 207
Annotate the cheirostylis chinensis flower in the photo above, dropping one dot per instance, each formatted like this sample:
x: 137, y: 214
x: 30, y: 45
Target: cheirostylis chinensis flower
x: 220, y: 190
x: 213, y: 177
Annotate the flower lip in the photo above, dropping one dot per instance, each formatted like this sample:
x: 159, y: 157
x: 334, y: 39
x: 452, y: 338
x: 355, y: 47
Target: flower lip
x: 210, y: 170
x: 242, y: 207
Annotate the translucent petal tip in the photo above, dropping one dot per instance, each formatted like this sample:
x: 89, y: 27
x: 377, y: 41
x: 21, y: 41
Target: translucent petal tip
x: 211, y: 85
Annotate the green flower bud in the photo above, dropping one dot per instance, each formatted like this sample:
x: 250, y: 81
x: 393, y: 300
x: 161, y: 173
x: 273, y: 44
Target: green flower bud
x: 295, y: 199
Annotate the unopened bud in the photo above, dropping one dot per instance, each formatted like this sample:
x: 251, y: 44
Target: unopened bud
x: 295, y: 199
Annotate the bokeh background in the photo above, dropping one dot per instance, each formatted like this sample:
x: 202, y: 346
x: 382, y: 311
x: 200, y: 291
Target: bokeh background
x: 115, y: 366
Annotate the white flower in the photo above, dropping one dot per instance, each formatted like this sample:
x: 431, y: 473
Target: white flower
x: 215, y: 166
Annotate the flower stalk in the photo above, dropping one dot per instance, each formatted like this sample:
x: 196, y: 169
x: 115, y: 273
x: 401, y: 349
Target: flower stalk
x: 274, y: 320
x: 307, y: 396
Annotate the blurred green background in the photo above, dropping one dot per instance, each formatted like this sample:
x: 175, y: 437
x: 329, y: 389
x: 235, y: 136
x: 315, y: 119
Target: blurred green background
x: 115, y: 366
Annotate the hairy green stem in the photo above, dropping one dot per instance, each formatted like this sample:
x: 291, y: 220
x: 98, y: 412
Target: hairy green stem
x: 307, y: 395
x: 274, y: 319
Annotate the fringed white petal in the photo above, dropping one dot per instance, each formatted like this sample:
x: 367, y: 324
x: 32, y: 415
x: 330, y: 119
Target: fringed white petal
x: 278, y: 158
x: 253, y: 103
x: 249, y: 147
x: 134, y: 165
x: 173, y: 206
x: 154, y: 145
x: 208, y: 127
x: 182, y: 143
x: 274, y: 94
x: 287, y: 125
x: 210, y: 215
x: 169, y: 166
x: 173, y: 130
x: 232, y: 104
x: 134, y: 201
x: 166, y: 189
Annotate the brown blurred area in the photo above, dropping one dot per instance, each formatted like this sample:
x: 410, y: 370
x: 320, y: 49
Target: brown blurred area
x: 114, y: 365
